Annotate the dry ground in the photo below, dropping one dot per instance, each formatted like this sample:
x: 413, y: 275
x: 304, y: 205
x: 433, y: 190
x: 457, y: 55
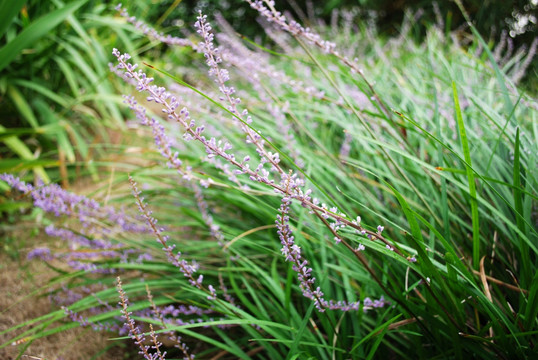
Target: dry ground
x: 20, y: 278
x: 18, y: 303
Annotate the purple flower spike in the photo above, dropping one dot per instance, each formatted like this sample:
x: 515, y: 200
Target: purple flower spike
x: 213, y: 59
x: 151, y: 32
x: 40, y: 253
x: 292, y: 253
x: 53, y: 199
x: 134, y: 330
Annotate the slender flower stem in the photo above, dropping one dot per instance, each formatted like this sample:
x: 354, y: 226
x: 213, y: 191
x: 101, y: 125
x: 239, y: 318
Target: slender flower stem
x: 178, y: 343
x: 187, y: 269
x: 213, y: 57
x: 297, y: 30
x: 214, y: 148
x: 134, y: 331
x: 156, y: 344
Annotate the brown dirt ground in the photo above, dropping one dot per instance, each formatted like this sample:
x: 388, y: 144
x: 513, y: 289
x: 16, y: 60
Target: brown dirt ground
x: 18, y: 280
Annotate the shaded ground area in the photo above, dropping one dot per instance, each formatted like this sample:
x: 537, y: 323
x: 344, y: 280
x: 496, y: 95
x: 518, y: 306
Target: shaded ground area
x: 19, y: 302
x: 23, y: 294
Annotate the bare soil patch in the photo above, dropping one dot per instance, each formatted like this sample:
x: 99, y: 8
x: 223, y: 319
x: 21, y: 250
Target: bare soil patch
x: 23, y: 296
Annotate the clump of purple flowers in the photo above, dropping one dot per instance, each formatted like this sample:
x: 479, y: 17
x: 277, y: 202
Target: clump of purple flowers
x: 290, y: 187
x: 263, y: 170
x: 91, y: 243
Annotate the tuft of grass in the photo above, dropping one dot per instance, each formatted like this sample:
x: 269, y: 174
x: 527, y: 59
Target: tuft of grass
x: 410, y: 137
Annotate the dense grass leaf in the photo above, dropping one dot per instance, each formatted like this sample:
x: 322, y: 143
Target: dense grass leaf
x: 35, y: 31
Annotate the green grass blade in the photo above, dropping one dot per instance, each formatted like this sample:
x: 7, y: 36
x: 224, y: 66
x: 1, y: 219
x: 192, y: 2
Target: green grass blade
x: 531, y: 310
x: 298, y: 336
x: 60, y: 99
x: 20, y: 148
x: 502, y: 133
x: 22, y: 105
x: 17, y: 165
x: 8, y: 10
x: 35, y: 31
x: 470, y: 178
x: 378, y: 340
x: 518, y: 204
x: 372, y: 333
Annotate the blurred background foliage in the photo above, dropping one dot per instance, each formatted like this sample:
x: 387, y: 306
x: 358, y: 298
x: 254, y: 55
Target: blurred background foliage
x: 518, y: 18
x: 58, y: 100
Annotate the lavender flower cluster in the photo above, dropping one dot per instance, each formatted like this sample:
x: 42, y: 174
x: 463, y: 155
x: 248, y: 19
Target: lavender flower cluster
x: 91, y: 244
x: 268, y: 11
x: 269, y: 172
x: 53, y: 199
x: 151, y: 32
x: 266, y: 8
x: 292, y: 253
x: 290, y: 186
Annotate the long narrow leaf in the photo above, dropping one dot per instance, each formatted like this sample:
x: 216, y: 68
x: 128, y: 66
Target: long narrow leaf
x: 35, y: 31
x: 470, y: 178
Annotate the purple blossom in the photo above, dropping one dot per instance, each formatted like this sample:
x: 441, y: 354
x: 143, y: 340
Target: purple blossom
x: 42, y: 253
x: 16, y: 183
x: 91, y: 250
x: 213, y: 59
x: 53, y: 199
x: 213, y: 293
x: 66, y: 296
x: 151, y: 32
x: 297, y: 30
x: 188, y: 269
x: 175, y: 310
x: 76, y: 241
x: 292, y: 27
x: 163, y: 142
x: 85, y: 322
x: 292, y: 253
x: 134, y: 330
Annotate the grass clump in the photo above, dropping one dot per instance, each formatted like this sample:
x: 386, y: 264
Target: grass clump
x: 354, y: 198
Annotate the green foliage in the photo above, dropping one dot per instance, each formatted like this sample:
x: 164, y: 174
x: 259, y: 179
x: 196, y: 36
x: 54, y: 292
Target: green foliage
x: 56, y: 92
x: 431, y: 140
